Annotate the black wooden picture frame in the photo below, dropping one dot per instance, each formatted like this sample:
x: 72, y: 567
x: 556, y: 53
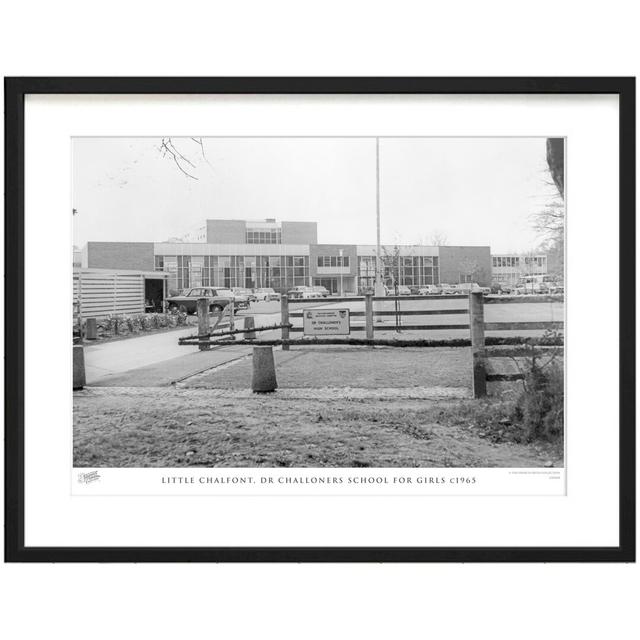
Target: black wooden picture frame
x: 15, y: 91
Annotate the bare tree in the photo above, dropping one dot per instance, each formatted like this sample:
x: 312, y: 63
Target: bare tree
x: 472, y: 269
x: 390, y: 262
x: 187, y: 159
x: 438, y: 238
x: 549, y: 221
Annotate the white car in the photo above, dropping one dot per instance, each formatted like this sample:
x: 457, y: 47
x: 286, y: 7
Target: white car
x: 302, y: 292
x: 429, y: 290
x: 467, y: 287
x: 323, y: 291
x: 266, y: 293
x: 449, y: 289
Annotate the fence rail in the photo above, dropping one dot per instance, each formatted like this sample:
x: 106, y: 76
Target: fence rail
x: 407, y: 327
x: 476, y: 326
x: 408, y: 312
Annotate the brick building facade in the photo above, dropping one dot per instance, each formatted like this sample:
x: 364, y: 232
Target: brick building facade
x: 265, y: 253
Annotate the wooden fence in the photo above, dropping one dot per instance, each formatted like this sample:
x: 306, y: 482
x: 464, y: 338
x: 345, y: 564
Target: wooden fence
x: 98, y: 293
x: 476, y: 326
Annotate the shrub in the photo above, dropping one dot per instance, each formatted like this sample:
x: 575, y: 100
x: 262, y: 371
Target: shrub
x: 540, y: 407
x: 119, y: 325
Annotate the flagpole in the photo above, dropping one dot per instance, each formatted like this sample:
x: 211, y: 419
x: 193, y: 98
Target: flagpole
x: 379, y: 290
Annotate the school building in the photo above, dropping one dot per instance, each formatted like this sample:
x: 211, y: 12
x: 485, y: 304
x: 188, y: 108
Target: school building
x: 508, y: 268
x: 267, y: 253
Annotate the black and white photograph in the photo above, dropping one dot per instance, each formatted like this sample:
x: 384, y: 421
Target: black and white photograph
x: 321, y: 319
x: 366, y: 302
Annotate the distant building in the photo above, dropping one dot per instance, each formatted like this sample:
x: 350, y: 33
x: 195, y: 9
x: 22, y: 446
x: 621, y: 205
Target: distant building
x: 281, y: 255
x: 77, y: 257
x: 508, y: 268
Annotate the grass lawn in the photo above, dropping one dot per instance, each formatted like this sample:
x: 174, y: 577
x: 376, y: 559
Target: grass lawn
x: 152, y: 427
x: 361, y: 367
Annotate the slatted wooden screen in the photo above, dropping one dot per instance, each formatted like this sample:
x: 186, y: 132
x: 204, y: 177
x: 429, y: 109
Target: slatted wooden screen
x: 104, y: 293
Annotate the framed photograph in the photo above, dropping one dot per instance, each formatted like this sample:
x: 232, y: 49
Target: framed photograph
x: 320, y: 319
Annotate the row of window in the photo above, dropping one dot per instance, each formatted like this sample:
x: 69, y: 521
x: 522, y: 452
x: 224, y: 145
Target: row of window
x: 236, y: 261
x: 278, y: 272
x: 333, y: 261
x: 264, y: 236
x: 408, y: 279
x: 516, y: 261
x: 281, y: 272
x: 367, y: 265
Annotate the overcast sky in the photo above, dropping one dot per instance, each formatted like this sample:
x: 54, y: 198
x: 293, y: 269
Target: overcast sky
x: 472, y: 190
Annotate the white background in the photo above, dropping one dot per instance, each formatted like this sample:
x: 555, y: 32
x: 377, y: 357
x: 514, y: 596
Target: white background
x: 333, y: 38
x: 587, y: 516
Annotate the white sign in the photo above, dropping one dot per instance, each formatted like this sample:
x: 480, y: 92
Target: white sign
x: 326, y: 322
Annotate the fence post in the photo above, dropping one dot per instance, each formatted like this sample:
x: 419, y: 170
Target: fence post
x: 80, y: 304
x: 91, y: 329
x: 202, y: 306
x: 368, y: 312
x: 249, y: 323
x: 79, y: 377
x: 284, y: 312
x: 264, y: 370
x: 478, y: 354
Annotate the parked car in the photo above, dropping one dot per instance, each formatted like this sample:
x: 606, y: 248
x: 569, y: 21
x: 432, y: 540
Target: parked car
x: 187, y: 300
x: 429, y: 290
x: 247, y: 293
x: 302, y: 292
x: 266, y: 293
x: 401, y: 290
x: 556, y: 288
x: 323, y: 291
x: 448, y: 289
x: 239, y: 301
x: 464, y: 288
x: 507, y: 288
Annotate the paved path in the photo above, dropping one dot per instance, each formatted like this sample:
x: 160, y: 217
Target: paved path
x: 118, y: 356
x: 156, y: 359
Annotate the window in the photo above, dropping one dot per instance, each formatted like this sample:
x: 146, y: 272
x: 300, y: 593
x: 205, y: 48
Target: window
x: 264, y: 236
x: 210, y: 271
x: 159, y: 263
x: 333, y: 261
x: 184, y: 268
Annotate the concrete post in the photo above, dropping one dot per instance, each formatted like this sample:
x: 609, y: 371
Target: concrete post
x: 264, y: 370
x: 249, y: 323
x: 368, y: 312
x: 91, y: 329
x: 202, y: 305
x: 284, y: 312
x: 79, y: 378
x: 478, y: 353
